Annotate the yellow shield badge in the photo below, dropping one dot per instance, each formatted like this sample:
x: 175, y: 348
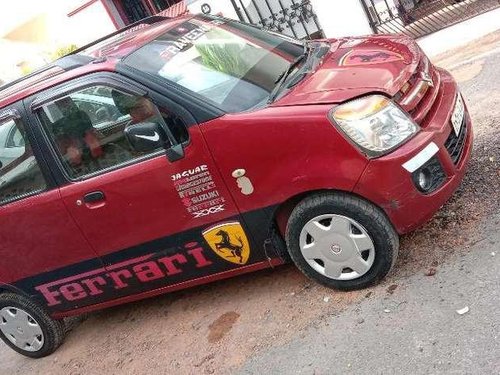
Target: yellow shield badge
x: 229, y: 241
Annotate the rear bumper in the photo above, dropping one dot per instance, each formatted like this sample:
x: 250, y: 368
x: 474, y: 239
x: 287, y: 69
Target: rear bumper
x: 388, y: 184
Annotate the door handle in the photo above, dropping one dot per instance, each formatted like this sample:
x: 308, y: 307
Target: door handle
x: 94, y: 197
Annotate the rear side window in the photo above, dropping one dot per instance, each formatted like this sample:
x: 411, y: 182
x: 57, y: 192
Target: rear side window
x: 20, y: 174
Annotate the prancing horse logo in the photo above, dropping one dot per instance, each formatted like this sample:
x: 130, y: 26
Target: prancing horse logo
x: 229, y: 241
x: 364, y: 56
x: 227, y: 245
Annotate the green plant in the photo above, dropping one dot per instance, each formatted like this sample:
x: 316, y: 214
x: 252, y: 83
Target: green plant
x: 25, y: 69
x: 223, y: 58
x: 63, y: 51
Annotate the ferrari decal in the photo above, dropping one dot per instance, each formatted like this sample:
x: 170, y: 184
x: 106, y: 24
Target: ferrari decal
x: 101, y: 281
x: 367, y: 57
x: 229, y: 241
x: 163, y: 262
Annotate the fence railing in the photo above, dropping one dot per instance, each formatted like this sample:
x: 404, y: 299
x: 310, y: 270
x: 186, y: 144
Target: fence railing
x: 417, y: 18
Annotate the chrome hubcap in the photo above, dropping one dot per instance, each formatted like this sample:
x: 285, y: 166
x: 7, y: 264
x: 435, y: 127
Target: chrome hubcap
x: 21, y: 329
x: 337, y: 247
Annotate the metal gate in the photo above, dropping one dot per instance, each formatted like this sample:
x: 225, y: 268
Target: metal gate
x: 417, y: 18
x: 295, y: 18
x: 164, y: 4
x: 134, y: 10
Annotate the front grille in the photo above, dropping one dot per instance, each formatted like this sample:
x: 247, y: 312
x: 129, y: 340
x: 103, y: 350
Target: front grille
x: 419, y: 95
x: 423, y: 107
x: 455, y: 145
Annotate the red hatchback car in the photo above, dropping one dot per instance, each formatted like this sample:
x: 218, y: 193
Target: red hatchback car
x: 181, y: 151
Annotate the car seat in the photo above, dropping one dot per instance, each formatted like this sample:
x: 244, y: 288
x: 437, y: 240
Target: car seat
x: 76, y: 137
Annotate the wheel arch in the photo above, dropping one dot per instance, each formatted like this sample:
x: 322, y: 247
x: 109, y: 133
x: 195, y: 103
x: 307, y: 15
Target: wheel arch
x: 9, y: 288
x: 283, y: 210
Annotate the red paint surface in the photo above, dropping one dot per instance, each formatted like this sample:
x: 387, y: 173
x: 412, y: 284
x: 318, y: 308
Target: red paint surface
x: 35, y: 84
x: 287, y: 149
x: 38, y: 235
x: 334, y: 83
x: 141, y: 201
x: 388, y: 185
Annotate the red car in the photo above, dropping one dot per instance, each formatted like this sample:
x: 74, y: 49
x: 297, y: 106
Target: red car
x: 181, y: 151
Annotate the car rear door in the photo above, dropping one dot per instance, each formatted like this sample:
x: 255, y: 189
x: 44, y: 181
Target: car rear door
x: 155, y: 223
x: 40, y: 244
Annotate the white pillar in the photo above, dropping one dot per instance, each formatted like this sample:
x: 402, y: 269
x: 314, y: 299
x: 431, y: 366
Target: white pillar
x: 342, y: 17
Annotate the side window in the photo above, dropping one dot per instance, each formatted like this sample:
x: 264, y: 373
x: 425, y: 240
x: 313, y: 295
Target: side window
x: 20, y: 174
x: 15, y: 138
x: 87, y: 128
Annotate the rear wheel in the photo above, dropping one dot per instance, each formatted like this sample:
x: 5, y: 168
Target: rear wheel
x: 341, y: 241
x: 27, y: 328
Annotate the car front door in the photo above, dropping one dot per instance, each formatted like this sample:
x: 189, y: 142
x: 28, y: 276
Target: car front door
x: 155, y: 223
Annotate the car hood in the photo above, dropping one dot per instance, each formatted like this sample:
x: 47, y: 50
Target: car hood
x: 357, y: 66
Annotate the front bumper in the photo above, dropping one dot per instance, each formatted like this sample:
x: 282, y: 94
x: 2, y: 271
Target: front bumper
x: 387, y: 183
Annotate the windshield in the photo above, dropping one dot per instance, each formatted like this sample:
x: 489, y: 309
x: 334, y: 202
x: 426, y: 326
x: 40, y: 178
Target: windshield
x: 232, y: 65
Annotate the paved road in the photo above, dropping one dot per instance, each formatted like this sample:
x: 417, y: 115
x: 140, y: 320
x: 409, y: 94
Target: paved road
x: 415, y: 328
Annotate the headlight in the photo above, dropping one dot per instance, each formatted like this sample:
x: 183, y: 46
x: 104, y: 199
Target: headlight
x: 375, y: 124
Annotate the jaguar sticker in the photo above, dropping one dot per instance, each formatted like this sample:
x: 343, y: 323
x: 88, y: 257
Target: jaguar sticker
x: 198, y: 192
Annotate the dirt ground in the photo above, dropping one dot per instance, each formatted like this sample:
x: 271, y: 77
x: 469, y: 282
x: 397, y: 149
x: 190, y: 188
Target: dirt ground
x: 215, y: 328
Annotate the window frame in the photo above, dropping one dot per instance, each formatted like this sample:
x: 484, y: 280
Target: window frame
x: 108, y: 79
x: 10, y: 138
x: 15, y: 113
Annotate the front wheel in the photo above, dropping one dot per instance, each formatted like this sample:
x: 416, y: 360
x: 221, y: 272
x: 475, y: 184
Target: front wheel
x: 341, y: 241
x: 27, y: 328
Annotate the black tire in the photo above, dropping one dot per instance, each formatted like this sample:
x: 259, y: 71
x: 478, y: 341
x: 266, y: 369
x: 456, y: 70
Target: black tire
x: 373, y: 219
x: 53, y: 330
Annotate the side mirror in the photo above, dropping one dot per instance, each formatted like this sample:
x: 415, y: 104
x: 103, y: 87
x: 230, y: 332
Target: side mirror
x: 149, y: 136
x: 146, y: 136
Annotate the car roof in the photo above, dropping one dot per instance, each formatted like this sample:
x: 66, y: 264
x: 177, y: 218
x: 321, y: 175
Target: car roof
x: 125, y: 41
x: 100, y: 55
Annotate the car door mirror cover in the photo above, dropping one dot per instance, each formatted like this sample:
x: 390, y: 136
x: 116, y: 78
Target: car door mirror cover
x: 147, y: 136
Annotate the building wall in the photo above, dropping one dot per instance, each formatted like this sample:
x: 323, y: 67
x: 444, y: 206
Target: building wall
x: 89, y: 22
x: 32, y: 31
x: 342, y: 17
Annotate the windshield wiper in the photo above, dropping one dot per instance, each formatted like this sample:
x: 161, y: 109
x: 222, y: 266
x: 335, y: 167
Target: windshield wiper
x: 286, y: 73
